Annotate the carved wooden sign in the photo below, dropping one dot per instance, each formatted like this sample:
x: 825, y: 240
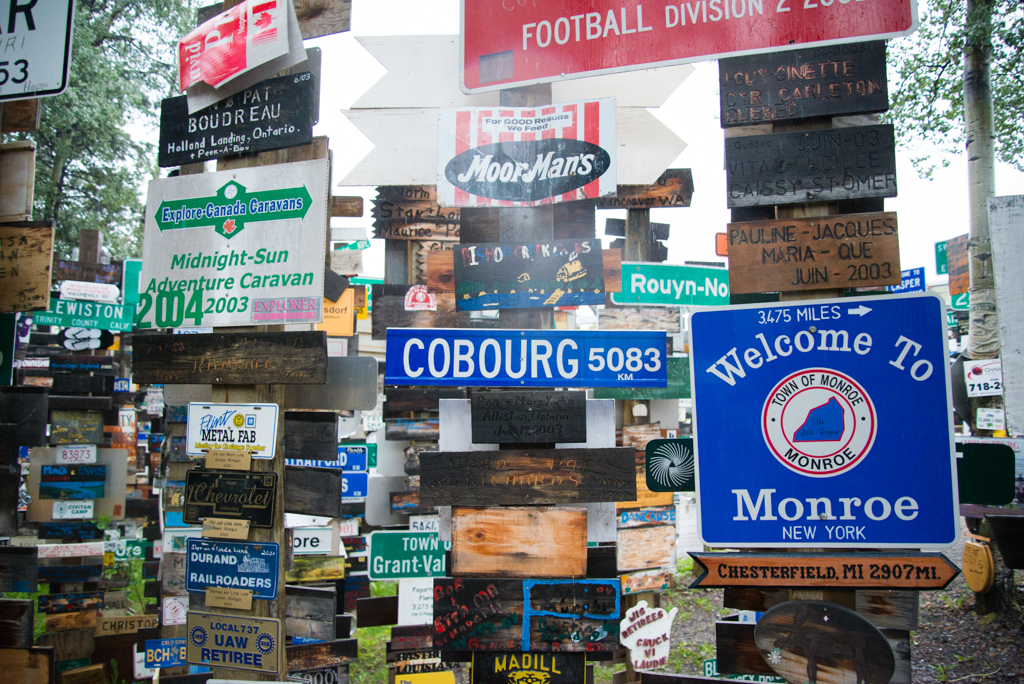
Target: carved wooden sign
x: 824, y: 80
x: 411, y: 212
x: 230, y: 494
x: 922, y: 571
x: 26, y: 254
x: 811, y: 166
x: 529, y: 417
x: 526, y: 615
x: 491, y: 275
x: 852, y: 250
x: 288, y: 358
x: 674, y: 188
x: 533, y: 476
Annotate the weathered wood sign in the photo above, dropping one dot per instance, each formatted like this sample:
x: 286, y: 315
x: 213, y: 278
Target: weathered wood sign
x: 26, y: 254
x: 310, y: 612
x: 823, y: 642
x: 811, y: 166
x: 908, y: 570
x: 69, y: 621
x: 56, y: 604
x: 674, y: 188
x: 311, y: 435
x: 288, y: 358
x: 414, y: 399
x: 526, y: 615
x: 853, y: 250
x: 519, y: 542
x: 18, y: 569
x: 230, y: 494
x: 126, y: 624
x: 268, y: 116
x: 76, y: 427
x: 412, y: 428
x: 667, y: 318
x: 73, y: 483
x: 83, y: 550
x: 670, y: 465
x: 534, y: 476
x: 979, y: 568
x: 64, y: 269
x: 313, y: 491
x: 515, y: 667
x: 312, y: 656
x: 646, y: 548
x: 411, y: 212
x: 389, y: 312
x: 958, y: 264
x: 826, y: 80
x: 491, y: 275
x: 238, y: 643
x: 28, y: 665
x: 529, y: 417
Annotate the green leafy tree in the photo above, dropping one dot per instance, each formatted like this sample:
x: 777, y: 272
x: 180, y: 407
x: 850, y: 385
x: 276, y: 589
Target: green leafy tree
x: 927, y: 78
x: 92, y: 159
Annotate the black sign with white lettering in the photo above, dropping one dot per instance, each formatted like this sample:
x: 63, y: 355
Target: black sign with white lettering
x: 273, y: 114
x: 811, y: 166
x: 824, y: 80
x: 529, y: 417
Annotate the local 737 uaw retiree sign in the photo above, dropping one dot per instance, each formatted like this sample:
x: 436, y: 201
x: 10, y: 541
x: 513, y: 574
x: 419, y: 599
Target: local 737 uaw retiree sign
x: 526, y: 155
x: 239, y: 247
x: 250, y: 428
x: 825, y: 424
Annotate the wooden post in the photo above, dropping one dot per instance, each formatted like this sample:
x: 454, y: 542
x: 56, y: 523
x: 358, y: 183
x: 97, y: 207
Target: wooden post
x: 639, y: 247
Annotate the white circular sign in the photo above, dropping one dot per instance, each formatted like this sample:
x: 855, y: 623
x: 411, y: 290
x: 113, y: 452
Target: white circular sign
x: 819, y: 422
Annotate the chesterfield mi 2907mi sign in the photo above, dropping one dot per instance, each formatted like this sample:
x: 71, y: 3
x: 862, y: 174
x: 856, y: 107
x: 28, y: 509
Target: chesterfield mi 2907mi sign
x: 825, y: 424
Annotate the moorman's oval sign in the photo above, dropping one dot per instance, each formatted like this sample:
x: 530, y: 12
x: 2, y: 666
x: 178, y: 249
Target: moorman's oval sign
x: 527, y: 170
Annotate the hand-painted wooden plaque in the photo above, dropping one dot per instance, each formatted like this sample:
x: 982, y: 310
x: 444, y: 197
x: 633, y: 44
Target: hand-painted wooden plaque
x: 646, y: 632
x: 286, y: 358
x: 76, y: 427
x: 670, y: 465
x: 529, y: 417
x: 852, y: 250
x: 526, y: 615
x: 73, y: 483
x: 674, y: 188
x: 493, y: 275
x: 824, y: 80
x: 230, y: 494
x: 270, y: 115
x: 979, y: 568
x: 533, y: 476
x: 835, y: 571
x: 811, y: 166
x: 645, y: 580
x: 526, y: 668
x: 26, y: 252
x: 411, y: 212
x: 823, y: 643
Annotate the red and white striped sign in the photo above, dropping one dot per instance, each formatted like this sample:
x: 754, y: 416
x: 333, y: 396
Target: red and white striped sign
x: 526, y: 156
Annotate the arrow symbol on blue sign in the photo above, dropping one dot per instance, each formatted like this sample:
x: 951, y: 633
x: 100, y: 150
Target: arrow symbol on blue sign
x: 859, y: 311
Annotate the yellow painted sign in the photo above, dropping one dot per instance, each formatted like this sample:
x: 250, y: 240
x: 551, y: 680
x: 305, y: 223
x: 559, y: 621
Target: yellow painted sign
x: 447, y: 677
x: 338, y: 320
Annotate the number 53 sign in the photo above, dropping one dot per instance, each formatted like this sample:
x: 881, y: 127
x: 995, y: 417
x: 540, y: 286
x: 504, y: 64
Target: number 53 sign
x: 38, y: 54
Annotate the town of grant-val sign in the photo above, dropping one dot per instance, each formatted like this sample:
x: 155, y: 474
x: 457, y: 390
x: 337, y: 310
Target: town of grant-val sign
x: 526, y: 155
x: 237, y: 247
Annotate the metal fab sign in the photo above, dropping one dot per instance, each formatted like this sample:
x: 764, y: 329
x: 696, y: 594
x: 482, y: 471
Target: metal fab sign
x: 647, y: 284
x: 235, y: 565
x: 525, y: 156
x: 814, y: 422
x: 235, y: 247
x: 510, y: 44
x: 38, y: 64
x: 250, y: 428
x: 238, y: 643
x: 525, y: 358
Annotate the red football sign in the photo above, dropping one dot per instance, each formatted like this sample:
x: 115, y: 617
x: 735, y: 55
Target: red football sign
x: 508, y: 43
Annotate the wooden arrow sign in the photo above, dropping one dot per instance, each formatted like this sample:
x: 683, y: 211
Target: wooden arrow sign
x: 923, y: 571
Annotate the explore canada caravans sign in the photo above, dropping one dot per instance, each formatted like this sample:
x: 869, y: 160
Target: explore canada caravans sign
x: 238, y: 247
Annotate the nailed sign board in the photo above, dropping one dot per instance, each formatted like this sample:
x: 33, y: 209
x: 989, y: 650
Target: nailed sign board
x: 268, y: 116
x: 234, y: 642
x: 814, y: 420
x: 526, y: 155
x: 90, y: 292
x: 525, y: 358
x: 230, y: 494
x: 404, y: 555
x: 41, y: 38
x: 670, y: 465
x: 852, y: 250
x: 73, y: 483
x: 512, y: 668
x: 239, y: 247
x: 69, y: 313
x: 504, y: 48
x: 811, y: 166
x: 491, y: 275
x: 236, y: 565
x: 232, y: 427
x: 827, y: 80
x: 647, y: 284
x: 411, y: 212
x: 26, y: 253
x: 646, y: 632
x: 529, y: 417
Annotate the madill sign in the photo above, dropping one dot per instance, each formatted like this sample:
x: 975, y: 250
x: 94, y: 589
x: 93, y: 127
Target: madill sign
x: 526, y: 155
x: 825, y: 424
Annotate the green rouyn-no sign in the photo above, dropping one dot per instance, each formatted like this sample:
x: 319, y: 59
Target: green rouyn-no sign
x: 646, y: 284
x: 405, y: 555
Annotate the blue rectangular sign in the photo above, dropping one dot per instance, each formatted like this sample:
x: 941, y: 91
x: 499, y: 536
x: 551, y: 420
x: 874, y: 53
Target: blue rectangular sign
x: 825, y: 424
x: 353, y: 486
x: 352, y: 458
x: 913, y: 281
x: 165, y: 653
x: 236, y: 565
x: 525, y: 358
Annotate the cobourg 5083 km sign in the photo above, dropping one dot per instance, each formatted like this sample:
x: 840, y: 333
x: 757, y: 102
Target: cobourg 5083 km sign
x: 825, y: 424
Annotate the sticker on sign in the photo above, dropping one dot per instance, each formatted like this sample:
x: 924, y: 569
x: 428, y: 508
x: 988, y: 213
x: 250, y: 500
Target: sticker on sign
x: 984, y: 377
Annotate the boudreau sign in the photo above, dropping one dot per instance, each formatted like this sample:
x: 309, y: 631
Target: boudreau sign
x: 526, y: 155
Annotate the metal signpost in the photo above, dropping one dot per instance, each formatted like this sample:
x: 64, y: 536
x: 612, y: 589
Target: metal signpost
x: 825, y: 424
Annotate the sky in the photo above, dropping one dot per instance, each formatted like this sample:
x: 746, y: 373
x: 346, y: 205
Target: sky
x: 929, y: 211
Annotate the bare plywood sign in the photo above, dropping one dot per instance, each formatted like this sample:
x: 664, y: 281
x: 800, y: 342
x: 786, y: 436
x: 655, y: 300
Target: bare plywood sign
x: 26, y: 255
x: 853, y: 250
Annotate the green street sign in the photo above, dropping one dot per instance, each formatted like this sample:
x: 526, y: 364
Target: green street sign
x: 940, y: 258
x: 678, y: 385
x: 232, y: 208
x: 950, y: 319
x: 645, y: 284
x: 132, y: 269
x: 404, y: 555
x: 961, y: 302
x: 129, y: 549
x: 69, y: 313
